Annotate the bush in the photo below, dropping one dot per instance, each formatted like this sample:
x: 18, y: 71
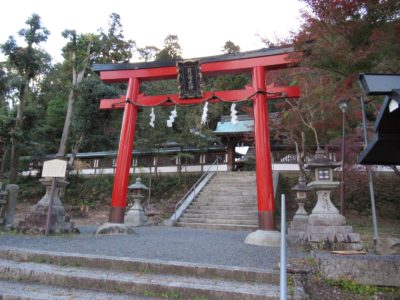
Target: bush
x: 92, y: 191
x: 387, y: 191
x: 30, y: 189
x: 357, y: 197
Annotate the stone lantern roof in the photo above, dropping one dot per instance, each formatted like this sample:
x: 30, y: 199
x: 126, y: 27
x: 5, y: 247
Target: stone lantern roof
x: 301, y: 185
x: 138, y: 185
x: 320, y: 160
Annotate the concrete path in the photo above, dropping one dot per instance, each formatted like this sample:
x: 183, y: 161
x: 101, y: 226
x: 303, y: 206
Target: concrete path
x: 220, y: 247
x: 156, y: 262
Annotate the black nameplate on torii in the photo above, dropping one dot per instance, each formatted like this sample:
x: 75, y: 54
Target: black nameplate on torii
x: 189, y: 79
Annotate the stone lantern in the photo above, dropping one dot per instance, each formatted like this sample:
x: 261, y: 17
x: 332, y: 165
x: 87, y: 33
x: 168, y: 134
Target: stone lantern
x: 326, y: 226
x: 298, y: 227
x: 136, y: 215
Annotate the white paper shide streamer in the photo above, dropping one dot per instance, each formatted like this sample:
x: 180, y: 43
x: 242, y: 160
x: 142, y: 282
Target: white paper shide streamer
x: 234, y: 118
x: 204, y: 115
x: 172, y: 117
x: 152, y: 117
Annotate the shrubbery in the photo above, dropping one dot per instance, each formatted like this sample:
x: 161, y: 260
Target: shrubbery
x: 386, y: 185
x: 96, y: 190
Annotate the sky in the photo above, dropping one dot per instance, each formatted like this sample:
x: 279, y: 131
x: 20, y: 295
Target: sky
x: 202, y: 26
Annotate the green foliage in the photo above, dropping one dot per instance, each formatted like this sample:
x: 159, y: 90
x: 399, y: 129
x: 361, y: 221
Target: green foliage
x: 28, y: 61
x: 25, y: 64
x: 31, y: 189
x: 171, y: 51
x: 88, y: 120
x: 231, y: 48
x: 113, y: 46
x: 387, y: 189
x: 361, y: 289
x: 90, y: 191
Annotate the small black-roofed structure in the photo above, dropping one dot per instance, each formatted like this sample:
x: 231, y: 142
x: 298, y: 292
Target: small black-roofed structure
x: 384, y: 148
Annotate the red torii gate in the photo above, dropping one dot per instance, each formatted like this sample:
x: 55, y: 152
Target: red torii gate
x: 257, y: 62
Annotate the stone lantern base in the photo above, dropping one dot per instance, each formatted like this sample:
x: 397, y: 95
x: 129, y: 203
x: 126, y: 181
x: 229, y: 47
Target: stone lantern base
x: 298, y: 226
x: 327, y: 229
x: 136, y: 215
x: 35, y: 220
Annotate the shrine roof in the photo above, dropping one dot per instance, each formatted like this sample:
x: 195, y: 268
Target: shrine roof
x: 217, y: 58
x: 244, y: 124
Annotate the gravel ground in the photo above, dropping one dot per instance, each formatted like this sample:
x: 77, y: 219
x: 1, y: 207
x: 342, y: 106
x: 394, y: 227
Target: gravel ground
x: 165, y: 243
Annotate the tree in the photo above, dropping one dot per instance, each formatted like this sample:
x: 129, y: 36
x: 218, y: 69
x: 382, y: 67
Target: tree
x: 113, y: 46
x: 230, y: 48
x: 77, y: 52
x: 148, y: 53
x: 89, y: 123
x: 27, y: 62
x: 172, y: 50
x: 346, y: 37
x: 340, y: 39
x: 80, y: 52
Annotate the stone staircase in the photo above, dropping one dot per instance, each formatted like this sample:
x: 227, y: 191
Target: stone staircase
x: 227, y: 202
x: 32, y: 274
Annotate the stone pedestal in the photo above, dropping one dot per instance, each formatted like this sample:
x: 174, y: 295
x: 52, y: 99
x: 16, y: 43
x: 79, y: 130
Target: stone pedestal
x: 136, y: 216
x: 266, y: 238
x: 35, y: 220
x: 298, y: 226
x: 114, y: 228
x: 326, y: 226
x: 8, y: 202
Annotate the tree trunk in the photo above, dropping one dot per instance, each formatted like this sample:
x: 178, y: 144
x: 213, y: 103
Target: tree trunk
x: 76, y: 79
x: 67, y: 124
x: 3, y: 163
x: 14, y: 156
x: 75, y: 150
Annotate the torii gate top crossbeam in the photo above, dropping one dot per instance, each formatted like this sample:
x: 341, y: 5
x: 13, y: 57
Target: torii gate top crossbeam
x: 270, y: 58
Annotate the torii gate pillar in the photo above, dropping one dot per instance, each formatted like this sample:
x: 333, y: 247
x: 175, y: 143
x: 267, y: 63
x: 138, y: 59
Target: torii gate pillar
x: 266, y: 235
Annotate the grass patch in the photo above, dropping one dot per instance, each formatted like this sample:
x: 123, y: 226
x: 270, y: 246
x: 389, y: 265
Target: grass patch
x: 362, y: 289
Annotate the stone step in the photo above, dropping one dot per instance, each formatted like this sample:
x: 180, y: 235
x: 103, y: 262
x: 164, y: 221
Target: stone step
x: 228, y: 193
x: 230, y: 211
x: 185, y: 219
x: 227, y: 199
x: 249, y: 216
x: 218, y: 226
x: 139, y: 265
x: 27, y: 269
x: 26, y: 290
x: 235, y: 183
x: 224, y: 206
x: 242, y: 173
x: 236, y: 175
x: 225, y: 217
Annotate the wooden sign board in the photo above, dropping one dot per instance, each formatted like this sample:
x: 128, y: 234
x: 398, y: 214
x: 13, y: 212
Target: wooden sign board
x: 189, y: 78
x: 54, y: 168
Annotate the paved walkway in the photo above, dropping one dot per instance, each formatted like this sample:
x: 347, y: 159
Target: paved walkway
x: 157, y: 242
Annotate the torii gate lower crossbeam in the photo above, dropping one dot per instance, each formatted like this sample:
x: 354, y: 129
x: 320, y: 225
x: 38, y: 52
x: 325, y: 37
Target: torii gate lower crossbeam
x: 255, y: 61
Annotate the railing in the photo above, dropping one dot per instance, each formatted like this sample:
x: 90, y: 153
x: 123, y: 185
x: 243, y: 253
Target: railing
x: 192, y: 193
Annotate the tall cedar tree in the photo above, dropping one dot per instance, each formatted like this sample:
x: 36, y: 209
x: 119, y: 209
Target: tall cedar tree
x: 27, y: 62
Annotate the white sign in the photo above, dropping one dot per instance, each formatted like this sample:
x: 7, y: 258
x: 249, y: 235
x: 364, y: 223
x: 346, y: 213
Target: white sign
x: 54, y: 168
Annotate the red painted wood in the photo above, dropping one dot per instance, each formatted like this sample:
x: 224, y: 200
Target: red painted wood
x: 265, y: 193
x: 233, y: 66
x: 173, y: 99
x: 120, y: 188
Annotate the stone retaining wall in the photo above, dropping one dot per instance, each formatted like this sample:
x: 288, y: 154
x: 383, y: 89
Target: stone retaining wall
x: 381, y: 270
